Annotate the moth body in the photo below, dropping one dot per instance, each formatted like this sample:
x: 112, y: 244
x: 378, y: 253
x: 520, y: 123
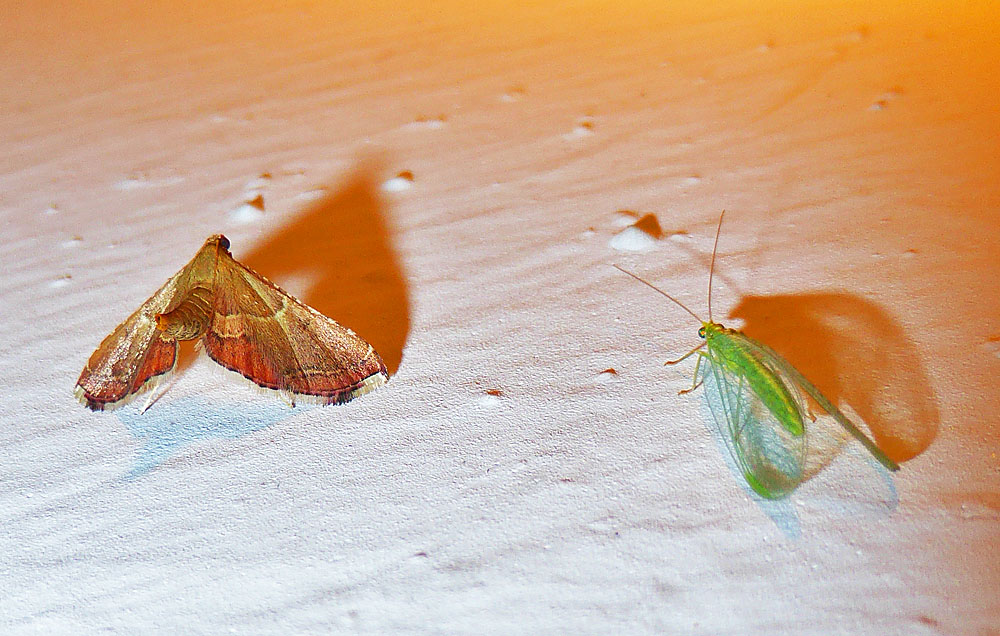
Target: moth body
x: 191, y: 318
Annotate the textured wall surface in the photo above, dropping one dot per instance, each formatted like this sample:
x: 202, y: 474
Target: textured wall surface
x: 454, y: 184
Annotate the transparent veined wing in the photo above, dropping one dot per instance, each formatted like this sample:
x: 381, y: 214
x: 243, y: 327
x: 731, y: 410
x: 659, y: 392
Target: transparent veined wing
x: 794, y: 378
x: 771, y: 458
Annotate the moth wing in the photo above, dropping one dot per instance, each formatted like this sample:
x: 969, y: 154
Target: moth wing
x: 132, y: 357
x: 771, y: 458
x: 263, y: 333
x: 794, y: 378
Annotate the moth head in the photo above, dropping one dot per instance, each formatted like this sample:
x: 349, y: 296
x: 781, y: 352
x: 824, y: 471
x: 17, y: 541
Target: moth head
x: 220, y: 240
x: 162, y: 322
x: 701, y: 332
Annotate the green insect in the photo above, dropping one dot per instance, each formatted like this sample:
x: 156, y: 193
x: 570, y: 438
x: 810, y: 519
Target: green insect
x: 754, y: 395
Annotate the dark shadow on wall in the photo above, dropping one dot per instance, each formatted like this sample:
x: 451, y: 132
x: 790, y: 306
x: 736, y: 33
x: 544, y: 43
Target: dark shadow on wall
x: 854, y: 353
x: 343, y: 244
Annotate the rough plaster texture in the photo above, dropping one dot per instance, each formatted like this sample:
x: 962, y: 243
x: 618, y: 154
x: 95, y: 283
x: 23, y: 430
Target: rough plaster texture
x: 454, y: 184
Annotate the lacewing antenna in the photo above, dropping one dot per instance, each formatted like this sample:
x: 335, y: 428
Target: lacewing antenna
x: 654, y: 287
x: 711, y: 268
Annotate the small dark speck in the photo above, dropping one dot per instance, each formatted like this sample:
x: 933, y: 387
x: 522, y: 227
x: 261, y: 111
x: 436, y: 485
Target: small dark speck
x: 402, y: 181
x: 513, y: 94
x: 584, y: 128
x: 257, y: 202
x: 992, y: 345
x: 883, y: 101
x: 650, y: 225
x: 608, y: 375
x: 431, y: 121
x: 494, y: 392
x: 61, y: 281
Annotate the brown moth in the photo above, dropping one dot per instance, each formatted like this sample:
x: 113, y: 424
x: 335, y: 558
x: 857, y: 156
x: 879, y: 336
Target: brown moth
x: 246, y: 323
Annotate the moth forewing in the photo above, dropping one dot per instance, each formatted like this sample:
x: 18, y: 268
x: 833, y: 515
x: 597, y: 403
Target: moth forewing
x: 133, y: 358
x: 770, y: 457
x: 245, y: 323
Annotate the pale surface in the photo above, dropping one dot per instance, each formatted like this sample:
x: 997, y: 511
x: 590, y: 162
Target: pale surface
x: 449, y: 185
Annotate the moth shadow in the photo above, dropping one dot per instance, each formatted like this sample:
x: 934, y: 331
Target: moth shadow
x: 855, y: 354
x: 167, y: 428
x: 338, y: 257
x: 344, y: 245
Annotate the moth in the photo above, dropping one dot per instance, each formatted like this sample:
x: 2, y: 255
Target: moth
x: 244, y: 322
x: 755, y: 396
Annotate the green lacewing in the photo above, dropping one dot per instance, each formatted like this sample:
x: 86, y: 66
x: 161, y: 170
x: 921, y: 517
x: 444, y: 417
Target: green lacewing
x: 755, y: 397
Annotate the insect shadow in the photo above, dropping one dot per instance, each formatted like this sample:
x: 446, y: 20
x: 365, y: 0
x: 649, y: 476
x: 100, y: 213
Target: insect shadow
x: 858, y: 355
x: 342, y: 245
x: 172, y: 425
x: 345, y: 244
x: 871, y: 494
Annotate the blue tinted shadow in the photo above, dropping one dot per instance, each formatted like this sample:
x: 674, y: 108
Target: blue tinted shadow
x: 168, y: 427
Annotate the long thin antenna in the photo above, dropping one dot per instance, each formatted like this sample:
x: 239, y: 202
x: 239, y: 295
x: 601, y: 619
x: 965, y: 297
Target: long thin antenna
x: 711, y: 268
x: 648, y: 284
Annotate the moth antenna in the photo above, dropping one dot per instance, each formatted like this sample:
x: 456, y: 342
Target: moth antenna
x: 149, y: 400
x: 711, y: 268
x: 155, y: 394
x: 651, y: 285
x: 163, y: 382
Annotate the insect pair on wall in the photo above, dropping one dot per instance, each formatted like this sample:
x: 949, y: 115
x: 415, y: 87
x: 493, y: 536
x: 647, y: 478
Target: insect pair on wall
x: 251, y: 326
